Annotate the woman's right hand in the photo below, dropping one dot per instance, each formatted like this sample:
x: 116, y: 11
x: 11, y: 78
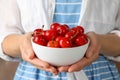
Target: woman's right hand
x: 28, y: 55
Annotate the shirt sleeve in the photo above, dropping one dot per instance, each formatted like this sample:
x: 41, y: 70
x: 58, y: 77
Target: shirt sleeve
x: 102, y: 17
x: 98, y: 15
x: 9, y: 23
x: 117, y: 32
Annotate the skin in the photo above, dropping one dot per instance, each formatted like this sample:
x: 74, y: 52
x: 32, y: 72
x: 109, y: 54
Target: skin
x: 118, y: 65
x: 15, y: 44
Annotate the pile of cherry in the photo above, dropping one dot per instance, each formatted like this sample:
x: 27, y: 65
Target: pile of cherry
x: 60, y: 36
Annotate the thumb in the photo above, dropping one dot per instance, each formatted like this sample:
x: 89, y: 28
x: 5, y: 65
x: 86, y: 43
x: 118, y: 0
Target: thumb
x: 30, y: 54
x: 89, y: 52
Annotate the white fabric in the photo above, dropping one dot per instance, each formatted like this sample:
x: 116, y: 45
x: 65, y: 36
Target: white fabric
x: 80, y: 75
x: 9, y: 23
x: 99, y: 15
x: 114, y: 58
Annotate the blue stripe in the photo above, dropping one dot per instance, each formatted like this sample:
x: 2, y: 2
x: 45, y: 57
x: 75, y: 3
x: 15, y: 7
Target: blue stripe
x: 102, y: 69
x: 68, y: 8
x: 66, y: 19
x: 67, y: 13
x: 70, y: 1
x: 25, y: 69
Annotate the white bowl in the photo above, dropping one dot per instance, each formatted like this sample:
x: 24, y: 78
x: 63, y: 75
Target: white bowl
x: 59, y: 56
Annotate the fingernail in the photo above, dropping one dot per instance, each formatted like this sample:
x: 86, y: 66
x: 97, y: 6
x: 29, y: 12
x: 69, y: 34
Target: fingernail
x: 70, y: 70
x: 55, y: 74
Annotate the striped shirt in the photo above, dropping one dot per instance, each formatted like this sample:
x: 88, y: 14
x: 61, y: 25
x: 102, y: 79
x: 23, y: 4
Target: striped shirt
x: 68, y: 12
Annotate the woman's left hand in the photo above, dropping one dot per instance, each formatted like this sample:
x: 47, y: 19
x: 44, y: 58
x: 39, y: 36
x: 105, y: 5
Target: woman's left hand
x: 91, y: 55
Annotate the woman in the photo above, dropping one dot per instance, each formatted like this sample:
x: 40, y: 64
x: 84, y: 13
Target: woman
x: 99, y: 18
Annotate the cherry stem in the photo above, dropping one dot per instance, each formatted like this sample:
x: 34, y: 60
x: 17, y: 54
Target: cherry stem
x: 74, y: 35
x: 43, y: 26
x: 52, y: 39
x: 42, y: 29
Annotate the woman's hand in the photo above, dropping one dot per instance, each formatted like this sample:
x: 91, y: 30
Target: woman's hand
x: 91, y: 55
x: 28, y: 55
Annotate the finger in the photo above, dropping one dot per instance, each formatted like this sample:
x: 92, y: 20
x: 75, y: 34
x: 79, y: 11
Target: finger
x: 44, y: 66
x: 89, y: 52
x: 30, y: 57
x: 52, y: 70
x: 79, y: 65
x: 26, y: 50
x: 39, y: 63
x: 30, y: 54
x: 82, y: 63
x: 63, y: 69
x: 93, y: 45
x: 48, y: 69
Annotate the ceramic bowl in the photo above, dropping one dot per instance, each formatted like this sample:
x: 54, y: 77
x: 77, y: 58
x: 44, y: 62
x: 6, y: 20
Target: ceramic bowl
x: 59, y: 56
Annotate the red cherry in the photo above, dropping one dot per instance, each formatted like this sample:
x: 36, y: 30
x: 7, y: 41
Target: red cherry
x: 58, y: 38
x: 77, y: 30
x: 81, y: 29
x: 65, y: 43
x: 63, y: 29
x: 43, y: 32
x: 81, y: 40
x: 71, y: 35
x: 65, y: 36
x: 54, y: 26
x: 54, y: 44
x: 37, y: 31
x: 39, y: 39
x: 50, y: 34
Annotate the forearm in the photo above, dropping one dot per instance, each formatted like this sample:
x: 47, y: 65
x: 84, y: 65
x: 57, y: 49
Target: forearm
x: 110, y: 44
x: 11, y: 44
